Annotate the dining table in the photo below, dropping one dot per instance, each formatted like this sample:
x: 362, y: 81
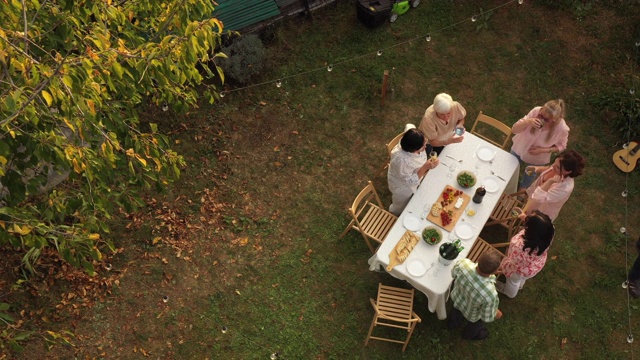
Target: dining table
x: 495, y: 169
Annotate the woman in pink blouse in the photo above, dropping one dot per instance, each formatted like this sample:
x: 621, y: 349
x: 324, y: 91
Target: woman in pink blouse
x: 527, y: 253
x: 541, y: 132
x: 555, y: 184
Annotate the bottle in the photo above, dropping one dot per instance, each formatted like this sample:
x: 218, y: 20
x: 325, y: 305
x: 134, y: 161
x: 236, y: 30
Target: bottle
x: 449, y: 251
x: 477, y: 198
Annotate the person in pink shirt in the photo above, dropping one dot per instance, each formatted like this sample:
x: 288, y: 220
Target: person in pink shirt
x: 540, y: 133
x: 555, y: 184
x: 527, y: 253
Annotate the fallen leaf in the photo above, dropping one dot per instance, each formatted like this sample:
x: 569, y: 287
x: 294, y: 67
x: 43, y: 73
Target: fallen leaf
x: 277, y: 148
x: 238, y: 292
x: 262, y: 103
x: 277, y: 163
x: 563, y: 342
x: 554, y: 257
x: 295, y: 132
x: 156, y: 240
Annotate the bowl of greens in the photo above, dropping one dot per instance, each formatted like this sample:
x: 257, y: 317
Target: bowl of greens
x: 431, y: 235
x: 466, y: 179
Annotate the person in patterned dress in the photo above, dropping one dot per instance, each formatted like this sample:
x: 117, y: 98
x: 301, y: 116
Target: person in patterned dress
x: 527, y: 253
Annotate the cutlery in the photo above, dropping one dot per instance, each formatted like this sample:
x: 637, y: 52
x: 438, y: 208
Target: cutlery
x: 451, y: 157
x: 498, y: 176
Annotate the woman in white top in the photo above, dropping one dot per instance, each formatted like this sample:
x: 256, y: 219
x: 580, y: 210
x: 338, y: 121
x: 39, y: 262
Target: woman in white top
x: 409, y: 163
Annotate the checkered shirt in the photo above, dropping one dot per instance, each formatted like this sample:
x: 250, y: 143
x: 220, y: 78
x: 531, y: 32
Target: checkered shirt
x: 474, y: 295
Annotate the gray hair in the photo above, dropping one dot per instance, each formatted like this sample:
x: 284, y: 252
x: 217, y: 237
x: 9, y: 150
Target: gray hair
x: 442, y: 103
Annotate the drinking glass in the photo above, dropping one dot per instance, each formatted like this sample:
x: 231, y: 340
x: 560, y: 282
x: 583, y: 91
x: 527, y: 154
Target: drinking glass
x: 433, y: 155
x: 453, y: 167
x: 459, y: 130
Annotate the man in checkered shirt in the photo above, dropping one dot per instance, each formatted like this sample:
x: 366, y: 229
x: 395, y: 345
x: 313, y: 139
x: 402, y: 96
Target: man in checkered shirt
x: 474, y: 295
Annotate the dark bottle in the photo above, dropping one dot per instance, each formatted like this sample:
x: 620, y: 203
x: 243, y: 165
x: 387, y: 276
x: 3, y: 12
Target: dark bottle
x: 479, y: 195
x: 449, y: 251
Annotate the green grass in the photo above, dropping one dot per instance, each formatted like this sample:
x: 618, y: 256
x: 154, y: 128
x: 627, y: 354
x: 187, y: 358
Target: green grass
x: 286, y: 162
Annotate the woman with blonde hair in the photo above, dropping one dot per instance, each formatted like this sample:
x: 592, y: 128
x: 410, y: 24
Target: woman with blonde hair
x: 538, y: 134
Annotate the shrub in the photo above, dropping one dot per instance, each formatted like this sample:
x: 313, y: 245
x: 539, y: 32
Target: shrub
x: 246, y: 57
x: 623, y: 109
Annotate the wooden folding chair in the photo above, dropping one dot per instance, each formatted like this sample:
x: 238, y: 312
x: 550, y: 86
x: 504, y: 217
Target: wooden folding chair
x: 390, y: 147
x: 495, y: 124
x: 393, y: 308
x: 503, y: 212
x: 369, y: 217
x: 481, y: 246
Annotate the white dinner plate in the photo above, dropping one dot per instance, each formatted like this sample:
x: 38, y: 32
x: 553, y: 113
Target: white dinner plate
x: 491, y: 184
x: 464, y: 231
x: 486, y: 153
x: 411, y: 222
x: 416, y: 268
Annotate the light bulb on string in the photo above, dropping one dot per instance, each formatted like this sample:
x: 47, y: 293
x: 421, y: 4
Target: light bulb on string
x: 165, y: 107
x: 379, y: 53
x: 278, y: 83
x: 632, y: 91
x: 224, y: 329
x: 630, y: 338
x: 474, y: 18
x: 274, y: 356
x: 165, y: 298
x: 428, y: 37
x: 108, y: 266
x: 625, y: 145
x: 330, y: 68
x: 638, y: 43
x: 625, y: 193
x: 520, y: 2
x: 623, y: 230
x: 223, y: 93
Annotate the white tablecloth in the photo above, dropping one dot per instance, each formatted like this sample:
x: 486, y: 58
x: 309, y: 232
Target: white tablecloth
x: 436, y: 281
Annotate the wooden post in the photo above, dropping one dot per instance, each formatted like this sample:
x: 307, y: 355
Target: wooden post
x: 385, y: 79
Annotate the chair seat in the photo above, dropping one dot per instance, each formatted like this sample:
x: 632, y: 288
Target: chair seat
x: 377, y: 222
x: 481, y: 246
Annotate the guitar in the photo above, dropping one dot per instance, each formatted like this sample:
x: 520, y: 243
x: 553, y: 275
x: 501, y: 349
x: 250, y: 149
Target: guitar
x: 626, y: 159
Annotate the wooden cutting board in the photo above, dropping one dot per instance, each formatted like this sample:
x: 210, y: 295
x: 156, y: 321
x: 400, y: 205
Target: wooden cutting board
x: 456, y: 213
x: 412, y: 241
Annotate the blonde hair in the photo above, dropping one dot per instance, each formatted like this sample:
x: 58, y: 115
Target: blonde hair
x: 556, y: 108
x: 442, y: 103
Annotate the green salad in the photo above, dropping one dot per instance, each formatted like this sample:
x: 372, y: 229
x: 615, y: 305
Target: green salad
x: 431, y: 236
x: 466, y: 180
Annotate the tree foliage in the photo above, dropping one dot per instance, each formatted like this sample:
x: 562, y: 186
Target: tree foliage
x: 73, y: 77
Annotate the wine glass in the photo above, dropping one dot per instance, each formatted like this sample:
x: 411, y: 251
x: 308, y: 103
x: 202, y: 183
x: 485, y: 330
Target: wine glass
x: 452, y: 168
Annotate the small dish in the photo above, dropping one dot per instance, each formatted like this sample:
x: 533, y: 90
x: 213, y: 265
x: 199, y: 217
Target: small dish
x: 416, y: 268
x: 411, y: 222
x: 491, y: 184
x: 486, y: 153
x: 464, y: 231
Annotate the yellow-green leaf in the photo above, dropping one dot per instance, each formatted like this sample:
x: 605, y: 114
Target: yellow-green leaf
x: 47, y: 97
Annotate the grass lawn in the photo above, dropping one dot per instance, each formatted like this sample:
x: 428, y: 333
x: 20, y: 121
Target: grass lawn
x: 248, y: 239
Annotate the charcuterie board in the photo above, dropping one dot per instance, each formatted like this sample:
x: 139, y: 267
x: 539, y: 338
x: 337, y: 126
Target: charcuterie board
x: 446, y: 203
x: 403, y: 248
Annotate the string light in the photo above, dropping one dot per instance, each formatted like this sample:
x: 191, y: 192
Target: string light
x: 625, y: 193
x: 623, y: 230
x: 222, y: 94
x: 428, y: 37
x: 632, y: 91
x: 165, y: 107
x: 520, y: 2
x: 630, y: 338
x: 224, y: 329
x: 379, y: 52
x: 107, y: 267
x: 165, y: 298
x: 474, y: 18
x: 278, y: 83
x: 637, y: 43
x: 330, y: 68
x: 274, y: 356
